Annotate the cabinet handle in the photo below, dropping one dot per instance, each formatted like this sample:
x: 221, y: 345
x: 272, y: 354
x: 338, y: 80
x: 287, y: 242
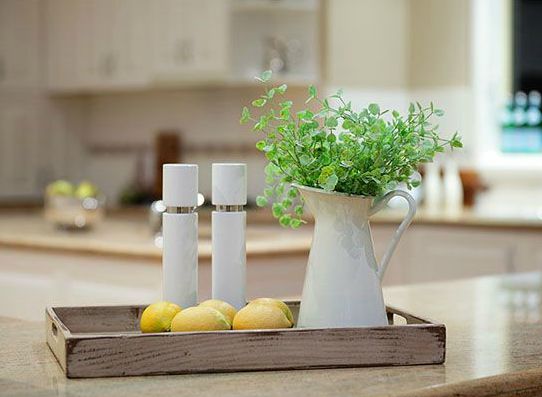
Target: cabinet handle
x: 185, y: 51
x: 109, y: 65
x: 2, y: 69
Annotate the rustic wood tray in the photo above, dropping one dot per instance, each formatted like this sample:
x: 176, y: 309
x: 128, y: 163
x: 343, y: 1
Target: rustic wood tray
x: 100, y: 341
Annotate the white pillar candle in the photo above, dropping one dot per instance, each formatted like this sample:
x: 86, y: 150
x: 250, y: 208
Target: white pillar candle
x: 180, y: 234
x: 228, y: 235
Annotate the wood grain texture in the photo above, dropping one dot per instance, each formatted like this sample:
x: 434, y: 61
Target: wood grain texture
x: 104, y: 342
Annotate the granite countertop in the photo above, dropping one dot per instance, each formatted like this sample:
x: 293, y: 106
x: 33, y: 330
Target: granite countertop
x: 127, y: 234
x: 493, y: 348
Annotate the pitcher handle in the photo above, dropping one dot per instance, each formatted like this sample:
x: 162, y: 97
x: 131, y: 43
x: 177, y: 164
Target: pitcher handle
x: 377, y: 206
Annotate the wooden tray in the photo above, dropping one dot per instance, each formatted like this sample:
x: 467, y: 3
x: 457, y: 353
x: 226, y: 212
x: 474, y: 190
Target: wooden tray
x: 101, y: 341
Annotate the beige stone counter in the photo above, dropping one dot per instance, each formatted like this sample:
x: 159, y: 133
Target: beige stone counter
x: 493, y: 348
x: 127, y: 234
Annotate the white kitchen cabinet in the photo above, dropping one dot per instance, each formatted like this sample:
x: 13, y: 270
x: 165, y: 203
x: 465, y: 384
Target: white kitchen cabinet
x: 18, y: 149
x: 62, y: 43
x: 19, y: 43
x: 190, y: 40
x: 20, y: 106
x: 103, y: 45
x: 97, y: 44
x: 120, y: 43
x: 444, y: 253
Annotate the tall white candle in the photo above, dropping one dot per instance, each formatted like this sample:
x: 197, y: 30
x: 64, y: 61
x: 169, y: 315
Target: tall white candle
x: 228, y: 235
x: 180, y: 234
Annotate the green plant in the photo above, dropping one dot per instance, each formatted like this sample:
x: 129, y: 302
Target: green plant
x: 333, y: 147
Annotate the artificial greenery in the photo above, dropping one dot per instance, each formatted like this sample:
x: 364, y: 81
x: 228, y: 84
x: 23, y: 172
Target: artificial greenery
x: 333, y: 147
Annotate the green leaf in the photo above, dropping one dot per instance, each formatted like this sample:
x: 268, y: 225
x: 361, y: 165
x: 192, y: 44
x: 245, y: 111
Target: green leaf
x: 299, y: 210
x: 331, y: 182
x: 285, y: 220
x: 260, y: 145
x: 374, y: 108
x: 456, y: 143
x: 439, y: 112
x: 245, y: 115
x: 347, y: 124
x: 327, y: 178
x: 270, y: 169
x: 286, y: 104
x: 265, y: 76
x: 281, y: 89
x: 292, y: 193
x: 312, y: 94
x: 295, y: 223
x: 261, y: 201
x: 258, y: 103
x: 331, y: 122
x: 261, y: 124
x: 305, y: 159
x: 277, y: 210
x: 305, y: 115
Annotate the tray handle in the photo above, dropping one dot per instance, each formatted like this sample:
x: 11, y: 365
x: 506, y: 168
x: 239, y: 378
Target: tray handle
x: 56, y: 335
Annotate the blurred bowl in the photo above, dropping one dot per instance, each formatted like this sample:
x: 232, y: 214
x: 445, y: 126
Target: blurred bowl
x: 73, y: 213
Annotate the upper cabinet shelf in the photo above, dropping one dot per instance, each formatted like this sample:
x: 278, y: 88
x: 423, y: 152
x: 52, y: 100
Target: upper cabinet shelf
x: 106, y: 46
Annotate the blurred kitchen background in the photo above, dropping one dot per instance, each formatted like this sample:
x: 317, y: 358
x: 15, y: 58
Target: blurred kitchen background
x: 100, y: 93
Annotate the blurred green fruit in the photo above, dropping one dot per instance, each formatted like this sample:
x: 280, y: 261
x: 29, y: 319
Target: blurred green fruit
x: 60, y: 188
x: 86, y: 189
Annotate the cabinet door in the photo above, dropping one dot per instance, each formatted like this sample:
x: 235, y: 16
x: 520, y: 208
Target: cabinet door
x: 190, y: 39
x: 18, y: 168
x: 445, y: 253
x: 211, y: 35
x: 98, y: 44
x: 62, y: 43
x: 120, y: 34
x: 19, y: 43
x: 132, y: 42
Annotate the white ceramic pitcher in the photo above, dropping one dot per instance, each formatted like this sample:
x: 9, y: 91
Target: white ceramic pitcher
x: 343, y: 280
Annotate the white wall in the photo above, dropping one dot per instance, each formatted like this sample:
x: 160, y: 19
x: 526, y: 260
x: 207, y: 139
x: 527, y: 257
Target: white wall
x: 367, y: 43
x: 394, y: 52
x: 206, y: 116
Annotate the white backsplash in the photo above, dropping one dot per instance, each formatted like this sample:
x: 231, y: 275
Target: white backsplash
x: 203, y: 116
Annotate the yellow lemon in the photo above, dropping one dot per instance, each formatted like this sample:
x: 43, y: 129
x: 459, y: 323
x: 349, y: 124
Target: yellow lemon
x: 260, y: 316
x: 157, y: 317
x: 223, y: 307
x: 275, y: 302
x: 199, y: 318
